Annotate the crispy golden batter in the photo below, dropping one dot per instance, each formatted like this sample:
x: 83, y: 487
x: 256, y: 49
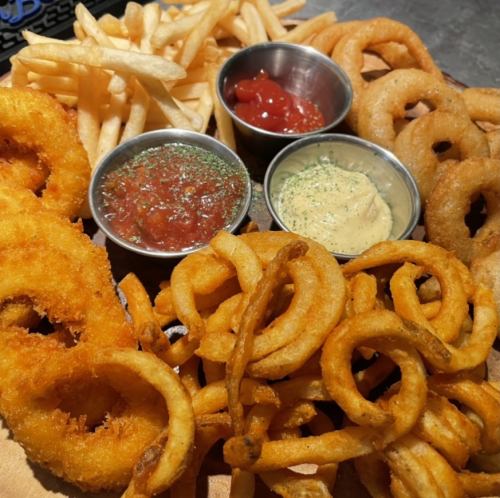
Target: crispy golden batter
x: 34, y: 121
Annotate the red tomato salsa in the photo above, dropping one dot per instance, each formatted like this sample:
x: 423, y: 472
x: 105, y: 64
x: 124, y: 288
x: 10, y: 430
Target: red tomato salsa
x: 172, y: 197
x: 263, y: 103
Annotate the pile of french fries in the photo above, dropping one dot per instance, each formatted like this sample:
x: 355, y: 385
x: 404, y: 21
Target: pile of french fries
x: 154, y: 68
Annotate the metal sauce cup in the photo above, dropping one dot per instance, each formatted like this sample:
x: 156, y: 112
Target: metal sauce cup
x: 134, y: 146
x: 300, y: 70
x: 391, y: 178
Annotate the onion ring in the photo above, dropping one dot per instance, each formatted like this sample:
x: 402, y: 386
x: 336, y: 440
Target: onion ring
x: 94, y: 311
x: 386, y: 98
x: 22, y: 168
x: 37, y: 416
x: 37, y: 122
x: 414, y: 145
x: 448, y: 430
x: 480, y: 397
x: 338, y: 379
x: 450, y: 202
x: 435, y: 261
x: 422, y: 470
x: 348, y: 53
x: 483, y: 104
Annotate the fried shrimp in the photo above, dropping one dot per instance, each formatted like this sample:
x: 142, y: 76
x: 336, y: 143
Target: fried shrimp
x: 34, y: 122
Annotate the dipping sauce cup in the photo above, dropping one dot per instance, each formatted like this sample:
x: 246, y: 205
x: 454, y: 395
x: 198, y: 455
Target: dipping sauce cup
x: 342, y: 191
x: 166, y: 193
x: 299, y: 70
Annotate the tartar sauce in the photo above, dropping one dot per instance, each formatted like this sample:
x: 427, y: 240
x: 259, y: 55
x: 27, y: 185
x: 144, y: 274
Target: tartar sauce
x: 341, y: 209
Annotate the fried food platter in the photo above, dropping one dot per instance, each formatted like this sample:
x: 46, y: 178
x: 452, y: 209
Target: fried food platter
x: 21, y: 478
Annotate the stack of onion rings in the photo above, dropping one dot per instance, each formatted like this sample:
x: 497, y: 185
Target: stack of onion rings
x: 348, y: 53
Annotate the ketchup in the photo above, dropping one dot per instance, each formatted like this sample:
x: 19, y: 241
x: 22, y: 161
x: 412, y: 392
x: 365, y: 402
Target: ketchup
x: 263, y: 103
x: 172, y: 197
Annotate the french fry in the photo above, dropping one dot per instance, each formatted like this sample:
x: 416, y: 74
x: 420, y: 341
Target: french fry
x: 133, y: 20
x: 271, y: 21
x: 155, y: 67
x: 151, y: 19
x: 138, y: 303
x: 78, y: 30
x: 65, y: 85
x: 140, y: 65
x: 309, y: 27
x: 169, y: 52
x: 113, y: 26
x: 194, y: 8
x: 111, y: 125
x: 18, y: 73
x: 190, y: 91
x: 288, y: 7
x: 209, y: 53
x: 121, y: 43
x: 167, y: 104
x: 51, y: 68
x: 173, y: 12
x: 88, y: 111
x: 138, y: 113
x: 90, y: 26
x: 165, y: 16
x: 309, y: 39
x: 36, y: 39
x: 70, y: 101
x: 194, y: 75
x: 216, y: 10
x: 205, y: 108
x: 191, y: 114
x: 185, y: 2
x: 170, y: 32
x: 256, y: 30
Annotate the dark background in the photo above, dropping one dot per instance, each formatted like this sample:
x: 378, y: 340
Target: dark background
x: 463, y: 36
